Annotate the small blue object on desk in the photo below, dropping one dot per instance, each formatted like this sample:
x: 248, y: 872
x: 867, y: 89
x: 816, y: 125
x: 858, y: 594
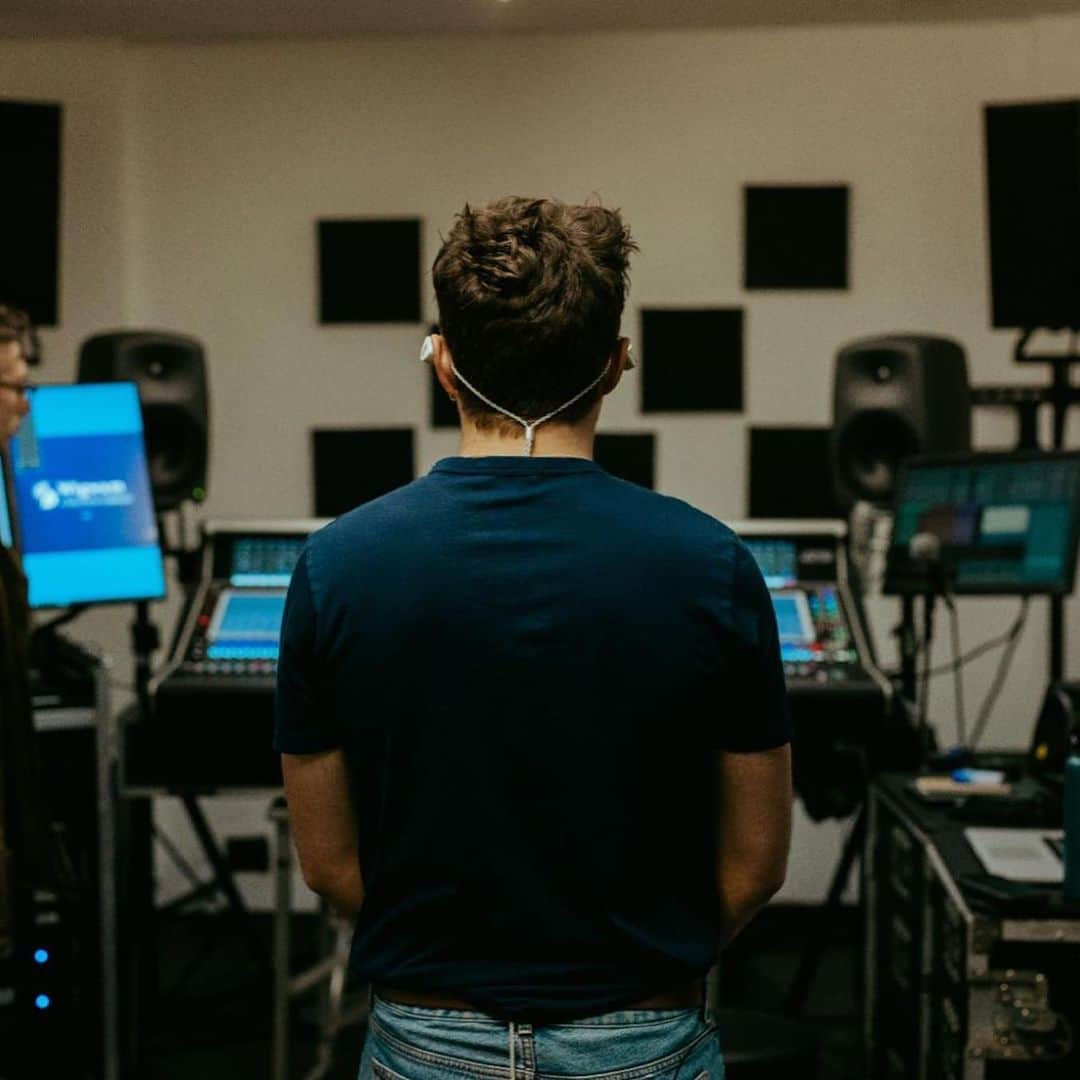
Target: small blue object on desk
x: 978, y: 776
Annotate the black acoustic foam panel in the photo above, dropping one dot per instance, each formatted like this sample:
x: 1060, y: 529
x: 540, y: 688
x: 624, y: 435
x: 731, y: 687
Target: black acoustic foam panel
x: 795, y: 237
x: 692, y: 360
x: 1033, y: 185
x: 30, y: 164
x: 355, y: 465
x: 791, y: 473
x: 369, y: 271
x: 629, y: 456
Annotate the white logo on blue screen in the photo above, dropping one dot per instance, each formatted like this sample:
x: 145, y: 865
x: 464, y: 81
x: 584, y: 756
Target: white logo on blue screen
x: 81, y: 494
x: 46, y: 495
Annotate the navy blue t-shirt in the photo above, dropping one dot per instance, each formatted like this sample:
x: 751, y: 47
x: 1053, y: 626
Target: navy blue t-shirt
x: 527, y: 663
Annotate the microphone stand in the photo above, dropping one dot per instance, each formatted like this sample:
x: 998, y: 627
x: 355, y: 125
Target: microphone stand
x: 929, y: 605
x: 909, y: 649
x: 933, y: 574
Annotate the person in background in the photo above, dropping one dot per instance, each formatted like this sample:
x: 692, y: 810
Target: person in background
x: 16, y: 337
x: 33, y: 860
x: 532, y: 718
x: 13, y: 407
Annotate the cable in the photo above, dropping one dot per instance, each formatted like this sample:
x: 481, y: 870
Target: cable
x: 984, y: 648
x: 999, y: 677
x: 65, y: 616
x: 958, y: 674
x: 178, y: 859
x: 925, y: 673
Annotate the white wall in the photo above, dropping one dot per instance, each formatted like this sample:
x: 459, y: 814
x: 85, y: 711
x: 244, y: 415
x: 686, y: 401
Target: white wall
x: 89, y: 80
x: 231, y: 151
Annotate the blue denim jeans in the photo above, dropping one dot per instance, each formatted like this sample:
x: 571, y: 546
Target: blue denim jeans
x: 405, y: 1042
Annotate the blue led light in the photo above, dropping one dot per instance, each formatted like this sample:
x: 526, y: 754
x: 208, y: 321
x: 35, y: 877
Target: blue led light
x: 43, y: 1001
x: 41, y: 956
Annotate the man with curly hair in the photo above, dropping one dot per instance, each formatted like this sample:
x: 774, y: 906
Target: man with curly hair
x: 532, y: 717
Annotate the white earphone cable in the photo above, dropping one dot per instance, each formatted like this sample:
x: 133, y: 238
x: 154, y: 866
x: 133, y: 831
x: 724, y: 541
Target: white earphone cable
x: 530, y: 426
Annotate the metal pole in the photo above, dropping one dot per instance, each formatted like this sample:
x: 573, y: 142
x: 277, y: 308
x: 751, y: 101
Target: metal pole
x: 909, y: 649
x: 279, y: 814
x: 869, y: 901
x: 826, y: 916
x: 1062, y: 400
x: 106, y: 828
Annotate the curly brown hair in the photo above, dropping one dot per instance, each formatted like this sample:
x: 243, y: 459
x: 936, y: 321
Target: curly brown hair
x: 15, y: 325
x: 530, y: 295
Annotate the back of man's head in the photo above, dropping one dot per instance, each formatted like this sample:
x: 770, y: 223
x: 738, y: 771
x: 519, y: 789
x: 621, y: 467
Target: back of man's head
x: 530, y: 296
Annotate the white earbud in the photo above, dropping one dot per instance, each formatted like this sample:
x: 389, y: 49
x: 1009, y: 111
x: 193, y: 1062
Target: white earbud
x: 427, y: 350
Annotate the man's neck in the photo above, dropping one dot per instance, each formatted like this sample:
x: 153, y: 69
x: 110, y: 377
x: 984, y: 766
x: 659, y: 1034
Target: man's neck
x: 549, y: 440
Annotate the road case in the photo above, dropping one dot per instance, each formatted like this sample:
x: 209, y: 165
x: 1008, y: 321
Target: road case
x: 960, y: 985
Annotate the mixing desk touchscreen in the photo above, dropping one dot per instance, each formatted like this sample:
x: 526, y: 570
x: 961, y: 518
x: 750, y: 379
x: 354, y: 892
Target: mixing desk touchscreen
x: 236, y: 622
x: 822, y: 643
x: 245, y: 626
x: 815, y: 641
x: 837, y: 697
x: 214, y: 701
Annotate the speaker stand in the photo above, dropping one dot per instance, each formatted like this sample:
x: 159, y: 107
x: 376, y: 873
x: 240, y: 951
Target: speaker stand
x: 827, y: 917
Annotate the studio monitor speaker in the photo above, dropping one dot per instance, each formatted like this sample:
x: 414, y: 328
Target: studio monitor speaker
x: 895, y: 396
x: 170, y: 370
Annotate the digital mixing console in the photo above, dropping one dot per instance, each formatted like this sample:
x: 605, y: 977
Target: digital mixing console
x: 232, y: 631
x: 212, y: 725
x: 837, y: 695
x: 212, y: 721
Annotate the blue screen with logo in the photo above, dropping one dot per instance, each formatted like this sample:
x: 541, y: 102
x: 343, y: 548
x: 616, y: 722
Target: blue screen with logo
x: 83, y: 498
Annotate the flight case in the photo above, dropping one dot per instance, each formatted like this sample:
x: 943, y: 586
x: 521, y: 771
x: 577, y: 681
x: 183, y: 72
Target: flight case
x: 960, y: 986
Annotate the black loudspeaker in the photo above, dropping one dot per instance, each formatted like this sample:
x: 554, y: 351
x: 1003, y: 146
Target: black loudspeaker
x: 894, y: 397
x: 170, y: 370
x: 1033, y: 197
x: 1056, y: 727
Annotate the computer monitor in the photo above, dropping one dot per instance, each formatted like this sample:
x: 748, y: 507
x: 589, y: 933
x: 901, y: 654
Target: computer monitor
x: 1006, y: 523
x: 82, y: 497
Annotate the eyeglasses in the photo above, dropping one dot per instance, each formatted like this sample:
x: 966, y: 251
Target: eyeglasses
x: 23, y: 389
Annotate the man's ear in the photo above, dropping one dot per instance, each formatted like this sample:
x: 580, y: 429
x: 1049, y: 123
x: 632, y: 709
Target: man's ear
x: 620, y: 360
x: 443, y: 364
